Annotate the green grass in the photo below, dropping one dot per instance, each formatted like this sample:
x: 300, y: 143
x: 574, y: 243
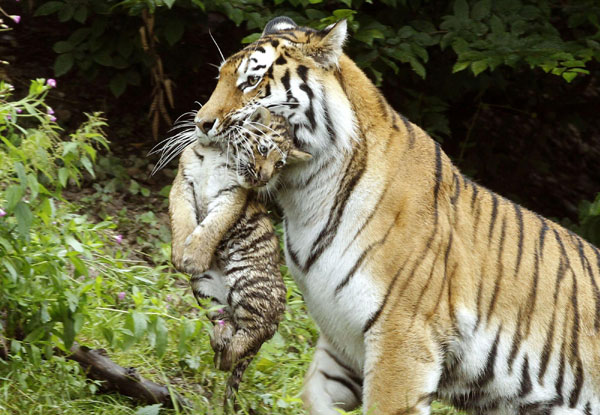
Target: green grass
x: 271, y: 385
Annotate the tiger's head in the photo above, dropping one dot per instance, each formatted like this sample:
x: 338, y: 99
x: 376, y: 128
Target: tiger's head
x: 293, y: 72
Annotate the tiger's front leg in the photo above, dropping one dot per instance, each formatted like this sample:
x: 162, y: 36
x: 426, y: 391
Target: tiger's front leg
x: 403, y: 369
x: 330, y: 382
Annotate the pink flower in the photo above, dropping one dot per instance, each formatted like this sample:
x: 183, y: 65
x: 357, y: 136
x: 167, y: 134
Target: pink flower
x: 19, y: 110
x: 50, y: 111
x: 220, y: 311
x: 119, y: 238
x: 52, y: 118
x: 2, y: 212
x: 220, y: 322
x: 51, y: 82
x: 169, y: 298
x: 8, y: 117
x: 16, y: 18
x: 121, y: 295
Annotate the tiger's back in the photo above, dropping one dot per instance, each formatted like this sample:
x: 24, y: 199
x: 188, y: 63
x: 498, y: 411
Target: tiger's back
x: 506, y: 302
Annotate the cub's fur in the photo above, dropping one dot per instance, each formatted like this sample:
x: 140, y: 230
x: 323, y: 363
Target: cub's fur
x: 223, y: 237
x: 424, y: 285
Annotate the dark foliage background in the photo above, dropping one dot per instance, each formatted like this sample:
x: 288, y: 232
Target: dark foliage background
x: 510, y: 88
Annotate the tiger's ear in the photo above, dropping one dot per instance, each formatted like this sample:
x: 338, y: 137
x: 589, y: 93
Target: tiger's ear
x: 279, y: 24
x: 297, y: 156
x: 326, y: 46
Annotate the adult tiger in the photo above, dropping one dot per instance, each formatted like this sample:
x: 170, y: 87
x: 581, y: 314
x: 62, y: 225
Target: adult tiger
x: 424, y: 285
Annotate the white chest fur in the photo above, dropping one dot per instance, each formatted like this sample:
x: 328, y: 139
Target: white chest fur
x: 340, y: 313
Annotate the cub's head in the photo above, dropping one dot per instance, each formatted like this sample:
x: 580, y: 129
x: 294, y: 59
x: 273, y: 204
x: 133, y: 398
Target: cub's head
x: 293, y: 72
x: 264, y: 146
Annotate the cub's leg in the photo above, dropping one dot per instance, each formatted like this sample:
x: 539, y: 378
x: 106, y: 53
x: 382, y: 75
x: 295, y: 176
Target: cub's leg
x: 223, y: 212
x: 402, y: 370
x: 330, y: 382
x: 210, y: 285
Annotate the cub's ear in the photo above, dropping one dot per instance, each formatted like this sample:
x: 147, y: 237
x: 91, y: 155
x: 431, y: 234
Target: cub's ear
x: 297, y: 156
x: 260, y: 118
x: 326, y: 46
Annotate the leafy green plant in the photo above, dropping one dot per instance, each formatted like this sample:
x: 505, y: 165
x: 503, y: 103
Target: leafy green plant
x: 589, y: 220
x: 56, y: 265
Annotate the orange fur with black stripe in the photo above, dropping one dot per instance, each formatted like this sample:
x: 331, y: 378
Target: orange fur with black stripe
x: 424, y: 285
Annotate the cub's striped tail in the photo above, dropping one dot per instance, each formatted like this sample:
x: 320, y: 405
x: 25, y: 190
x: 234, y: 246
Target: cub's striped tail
x: 233, y: 383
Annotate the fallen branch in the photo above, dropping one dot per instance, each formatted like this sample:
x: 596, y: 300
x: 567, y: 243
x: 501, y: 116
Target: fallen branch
x: 126, y: 381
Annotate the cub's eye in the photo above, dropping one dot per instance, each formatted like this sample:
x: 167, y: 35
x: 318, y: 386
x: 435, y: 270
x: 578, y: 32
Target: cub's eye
x: 252, y: 80
x: 279, y: 164
x: 263, y: 149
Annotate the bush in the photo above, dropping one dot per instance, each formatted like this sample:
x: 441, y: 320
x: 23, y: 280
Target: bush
x: 57, y: 267
x: 131, y: 39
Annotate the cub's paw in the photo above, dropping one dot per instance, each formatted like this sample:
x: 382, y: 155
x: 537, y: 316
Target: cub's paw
x: 194, y: 260
x: 220, y: 341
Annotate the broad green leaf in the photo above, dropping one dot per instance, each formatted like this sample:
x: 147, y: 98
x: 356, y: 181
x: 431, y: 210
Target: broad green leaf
x: 66, y: 12
x: 49, y: 8
x: 140, y: 324
x: 161, y: 337
x: 69, y: 147
x: 149, y: 410
x: 496, y: 25
x: 68, y: 332
x: 74, y: 243
x: 417, y: 67
x: 103, y: 57
x: 251, y: 38
x: 461, y: 9
x: 13, y: 195
x: 459, y: 66
x: 63, y: 46
x: 569, y: 76
x: 79, y: 35
x: 20, y: 169
x: 478, y: 67
x: 88, y: 165
x: 24, y: 219
x: 344, y: 13
x: 481, y: 9
x: 12, y: 272
x: 80, y: 14
x: 117, y: 85
x: 368, y: 35
x: 173, y: 31
x: 63, y: 176
x: 34, y: 185
x: 63, y: 64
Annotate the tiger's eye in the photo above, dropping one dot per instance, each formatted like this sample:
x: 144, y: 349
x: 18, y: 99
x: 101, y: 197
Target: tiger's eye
x: 252, y: 80
x: 263, y: 149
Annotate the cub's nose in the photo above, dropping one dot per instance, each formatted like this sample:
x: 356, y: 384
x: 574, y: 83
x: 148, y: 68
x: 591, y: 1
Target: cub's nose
x: 264, y: 177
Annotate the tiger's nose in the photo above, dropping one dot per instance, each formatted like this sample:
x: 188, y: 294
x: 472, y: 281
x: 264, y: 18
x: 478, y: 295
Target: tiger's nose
x: 205, y: 125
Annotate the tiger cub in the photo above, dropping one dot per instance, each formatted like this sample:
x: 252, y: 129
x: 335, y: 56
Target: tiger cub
x: 223, y: 237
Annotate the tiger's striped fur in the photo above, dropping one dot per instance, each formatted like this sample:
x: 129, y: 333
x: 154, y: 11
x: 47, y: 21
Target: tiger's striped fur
x: 424, y: 284
x: 223, y: 237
